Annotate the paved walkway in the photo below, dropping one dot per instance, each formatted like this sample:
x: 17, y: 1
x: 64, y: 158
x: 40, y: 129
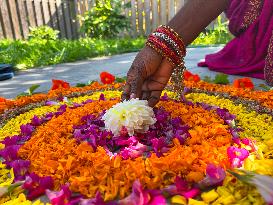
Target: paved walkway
x: 83, y: 71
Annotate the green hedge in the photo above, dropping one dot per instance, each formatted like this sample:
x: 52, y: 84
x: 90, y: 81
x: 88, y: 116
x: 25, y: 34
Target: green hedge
x: 36, y: 53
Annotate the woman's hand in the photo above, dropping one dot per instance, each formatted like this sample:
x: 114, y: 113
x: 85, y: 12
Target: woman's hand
x: 149, y: 72
x: 147, y: 77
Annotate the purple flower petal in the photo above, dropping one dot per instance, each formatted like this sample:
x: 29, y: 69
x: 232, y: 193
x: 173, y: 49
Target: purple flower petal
x: 10, y: 153
x: 182, y: 134
x: 36, y: 121
x: 27, y: 129
x: 62, y: 108
x: 102, y: 97
x: 234, y: 133
x: 186, y: 101
x: 215, y: 175
x: 161, y: 115
x: 225, y: 115
x: 20, y: 168
x: 9, y: 141
x: 160, y: 146
x: 49, y: 116
x: 88, y: 101
x: 165, y: 97
x: 51, y: 103
x: 76, y: 105
x: 186, y: 90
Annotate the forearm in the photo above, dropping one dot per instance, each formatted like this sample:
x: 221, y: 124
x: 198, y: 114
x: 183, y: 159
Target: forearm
x: 195, y: 16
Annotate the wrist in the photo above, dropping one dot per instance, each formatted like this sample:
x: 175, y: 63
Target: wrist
x: 170, y: 45
x: 165, y: 41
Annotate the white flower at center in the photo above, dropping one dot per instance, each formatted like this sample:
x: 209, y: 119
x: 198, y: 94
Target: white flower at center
x: 135, y: 115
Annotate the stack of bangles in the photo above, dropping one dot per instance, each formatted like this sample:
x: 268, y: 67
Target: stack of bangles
x: 170, y: 45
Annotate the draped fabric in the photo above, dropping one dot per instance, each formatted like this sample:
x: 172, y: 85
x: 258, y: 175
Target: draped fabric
x: 250, y: 53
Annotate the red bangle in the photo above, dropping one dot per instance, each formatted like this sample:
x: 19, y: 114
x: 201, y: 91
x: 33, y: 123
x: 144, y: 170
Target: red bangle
x: 168, y: 44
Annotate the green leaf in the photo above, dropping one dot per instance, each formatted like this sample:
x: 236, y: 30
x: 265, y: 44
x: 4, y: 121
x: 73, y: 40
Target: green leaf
x: 221, y: 79
x: 265, y: 87
x: 90, y: 82
x: 120, y: 80
x: 208, y: 79
x: 31, y: 90
x: 22, y: 95
x: 79, y: 85
x: 242, y: 175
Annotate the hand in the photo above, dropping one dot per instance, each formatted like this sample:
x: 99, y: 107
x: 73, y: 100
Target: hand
x: 147, y: 77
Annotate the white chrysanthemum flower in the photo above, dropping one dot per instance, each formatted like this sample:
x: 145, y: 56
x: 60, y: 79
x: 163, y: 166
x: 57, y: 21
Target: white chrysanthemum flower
x: 135, y: 115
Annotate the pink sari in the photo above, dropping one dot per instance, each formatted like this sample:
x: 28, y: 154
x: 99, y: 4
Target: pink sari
x: 250, y: 53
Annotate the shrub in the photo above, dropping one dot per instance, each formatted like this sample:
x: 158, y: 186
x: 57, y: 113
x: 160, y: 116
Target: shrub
x: 105, y: 20
x: 43, y: 33
x: 218, y: 35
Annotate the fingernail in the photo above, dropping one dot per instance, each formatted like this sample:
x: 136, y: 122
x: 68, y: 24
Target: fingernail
x: 133, y: 95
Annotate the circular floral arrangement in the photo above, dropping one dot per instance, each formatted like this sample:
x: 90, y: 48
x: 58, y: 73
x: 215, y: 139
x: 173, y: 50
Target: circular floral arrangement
x: 77, y: 145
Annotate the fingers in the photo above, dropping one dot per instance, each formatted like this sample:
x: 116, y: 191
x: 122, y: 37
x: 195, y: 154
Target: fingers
x: 145, y: 95
x: 153, y: 86
x: 134, y: 83
x: 126, y: 92
x: 154, y: 98
x: 146, y: 63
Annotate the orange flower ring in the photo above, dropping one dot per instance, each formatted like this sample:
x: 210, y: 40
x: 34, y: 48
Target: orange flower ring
x: 53, y: 151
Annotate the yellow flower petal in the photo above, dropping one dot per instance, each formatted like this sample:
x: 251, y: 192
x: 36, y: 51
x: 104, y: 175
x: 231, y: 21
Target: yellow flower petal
x: 178, y: 200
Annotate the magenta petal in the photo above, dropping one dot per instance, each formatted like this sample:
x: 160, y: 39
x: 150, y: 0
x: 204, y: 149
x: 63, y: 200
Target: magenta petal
x: 181, y: 184
x: 133, y: 151
x: 250, y: 143
x: 56, y: 197
x: 59, y: 197
x: 98, y: 200
x: 36, y: 185
x: 136, y: 197
x: 237, y: 156
x: 215, y: 175
x: 160, y: 146
x: 158, y: 200
x: 191, y: 193
x: 237, y: 140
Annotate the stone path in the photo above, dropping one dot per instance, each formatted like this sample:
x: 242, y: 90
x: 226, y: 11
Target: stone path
x: 83, y: 71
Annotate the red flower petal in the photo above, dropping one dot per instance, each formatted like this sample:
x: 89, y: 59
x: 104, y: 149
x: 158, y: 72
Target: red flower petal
x: 107, y: 78
x: 56, y: 84
x: 243, y: 83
